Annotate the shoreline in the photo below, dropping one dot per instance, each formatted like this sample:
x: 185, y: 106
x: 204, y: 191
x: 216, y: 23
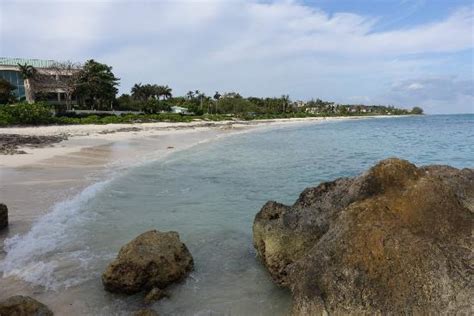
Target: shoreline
x: 32, y: 184
x: 79, y: 137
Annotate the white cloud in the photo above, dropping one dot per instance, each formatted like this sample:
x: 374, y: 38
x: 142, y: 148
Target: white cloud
x: 456, y: 95
x: 415, y: 86
x: 258, y: 48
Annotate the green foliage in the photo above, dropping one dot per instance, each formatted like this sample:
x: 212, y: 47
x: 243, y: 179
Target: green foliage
x: 26, y: 114
x: 127, y: 118
x: 417, y: 110
x: 150, y: 91
x: 236, y: 105
x: 27, y: 71
x: 155, y: 106
x: 6, y: 92
x: 96, y: 85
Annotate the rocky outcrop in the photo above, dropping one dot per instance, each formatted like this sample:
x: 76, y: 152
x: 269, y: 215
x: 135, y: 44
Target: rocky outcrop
x: 3, y: 216
x: 153, y: 259
x: 23, y: 306
x: 395, y: 240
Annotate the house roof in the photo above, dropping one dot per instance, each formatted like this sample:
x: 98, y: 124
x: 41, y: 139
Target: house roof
x: 37, y: 63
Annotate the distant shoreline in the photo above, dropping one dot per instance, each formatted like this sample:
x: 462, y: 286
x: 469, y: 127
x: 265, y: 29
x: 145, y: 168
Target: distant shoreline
x: 72, y: 138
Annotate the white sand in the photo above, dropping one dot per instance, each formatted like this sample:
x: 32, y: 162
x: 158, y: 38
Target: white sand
x: 86, y: 136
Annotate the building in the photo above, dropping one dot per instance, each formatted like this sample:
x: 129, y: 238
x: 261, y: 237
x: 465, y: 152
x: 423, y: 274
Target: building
x: 52, y: 87
x: 180, y: 110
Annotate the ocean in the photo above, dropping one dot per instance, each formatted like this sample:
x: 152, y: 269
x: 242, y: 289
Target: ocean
x: 210, y: 194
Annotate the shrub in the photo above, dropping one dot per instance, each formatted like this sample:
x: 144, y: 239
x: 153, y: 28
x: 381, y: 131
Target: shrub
x: 417, y: 110
x: 26, y: 114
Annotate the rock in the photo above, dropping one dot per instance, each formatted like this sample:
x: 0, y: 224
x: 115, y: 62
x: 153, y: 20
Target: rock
x: 146, y: 312
x: 23, y: 306
x: 153, y: 259
x: 3, y: 216
x: 154, y: 295
x: 395, y: 240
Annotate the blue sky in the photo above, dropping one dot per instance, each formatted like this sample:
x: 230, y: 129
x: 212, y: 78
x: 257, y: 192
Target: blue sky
x: 400, y: 52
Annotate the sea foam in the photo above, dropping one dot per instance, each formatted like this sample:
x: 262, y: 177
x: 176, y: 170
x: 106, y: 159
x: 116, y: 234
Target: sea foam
x: 50, y: 253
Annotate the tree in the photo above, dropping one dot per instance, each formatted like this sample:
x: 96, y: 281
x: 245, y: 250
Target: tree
x: 28, y: 72
x: 163, y: 91
x: 63, y: 76
x: 97, y: 85
x: 144, y: 92
x: 285, y: 102
x: 216, y: 97
x: 190, y: 95
x: 6, y: 92
x: 151, y: 91
x: 417, y: 110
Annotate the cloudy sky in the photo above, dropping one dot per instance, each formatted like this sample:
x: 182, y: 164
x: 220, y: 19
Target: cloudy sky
x: 400, y: 52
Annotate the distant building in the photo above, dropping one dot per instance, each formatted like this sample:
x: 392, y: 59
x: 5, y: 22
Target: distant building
x: 179, y: 110
x: 52, y: 92
x: 299, y: 103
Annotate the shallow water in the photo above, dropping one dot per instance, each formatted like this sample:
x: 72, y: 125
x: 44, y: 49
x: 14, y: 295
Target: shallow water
x: 210, y: 194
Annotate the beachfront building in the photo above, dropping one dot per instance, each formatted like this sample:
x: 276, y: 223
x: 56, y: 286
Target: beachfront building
x: 51, y: 88
x: 179, y: 110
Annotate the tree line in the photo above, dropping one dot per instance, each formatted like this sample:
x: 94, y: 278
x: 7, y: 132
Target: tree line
x: 94, y: 86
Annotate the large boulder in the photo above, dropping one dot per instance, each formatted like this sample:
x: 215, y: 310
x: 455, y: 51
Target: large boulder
x: 153, y: 259
x: 3, y: 216
x: 395, y: 240
x: 23, y: 306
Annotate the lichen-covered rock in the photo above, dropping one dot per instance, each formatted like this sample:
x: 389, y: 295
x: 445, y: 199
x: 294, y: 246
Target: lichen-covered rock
x: 153, y: 259
x: 3, y: 216
x: 23, y: 306
x: 395, y: 240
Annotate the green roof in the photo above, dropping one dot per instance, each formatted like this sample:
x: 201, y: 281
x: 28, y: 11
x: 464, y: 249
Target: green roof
x: 37, y: 63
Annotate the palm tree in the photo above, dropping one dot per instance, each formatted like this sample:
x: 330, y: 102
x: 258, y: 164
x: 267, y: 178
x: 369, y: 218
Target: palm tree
x: 28, y: 73
x: 190, y: 95
x: 164, y: 91
x: 217, y: 96
x: 286, y: 101
x: 137, y: 92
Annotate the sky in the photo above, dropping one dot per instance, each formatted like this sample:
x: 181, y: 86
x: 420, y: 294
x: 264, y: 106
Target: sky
x: 396, y: 52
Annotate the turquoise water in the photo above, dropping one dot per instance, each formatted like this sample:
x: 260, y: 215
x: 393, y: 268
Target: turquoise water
x: 210, y: 195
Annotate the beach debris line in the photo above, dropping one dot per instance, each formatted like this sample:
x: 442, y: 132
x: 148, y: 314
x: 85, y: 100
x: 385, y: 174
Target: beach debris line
x: 150, y: 262
x: 23, y: 306
x: 10, y: 143
x: 3, y: 216
x: 395, y: 240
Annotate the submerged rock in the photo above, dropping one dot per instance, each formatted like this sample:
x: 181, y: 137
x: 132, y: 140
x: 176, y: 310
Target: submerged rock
x: 397, y: 239
x: 23, y: 306
x: 3, y: 216
x: 153, y: 259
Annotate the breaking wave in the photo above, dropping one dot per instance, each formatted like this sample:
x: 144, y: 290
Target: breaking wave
x: 50, y: 251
